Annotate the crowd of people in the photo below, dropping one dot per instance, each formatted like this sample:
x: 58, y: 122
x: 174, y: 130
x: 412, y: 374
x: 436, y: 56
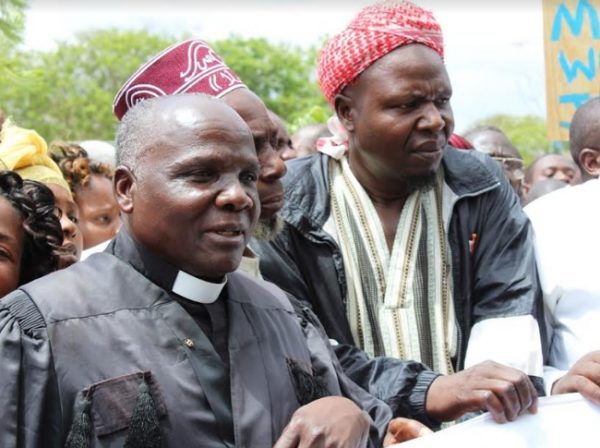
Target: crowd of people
x: 210, y: 280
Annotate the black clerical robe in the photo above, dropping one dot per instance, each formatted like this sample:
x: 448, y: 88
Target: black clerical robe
x: 96, y: 332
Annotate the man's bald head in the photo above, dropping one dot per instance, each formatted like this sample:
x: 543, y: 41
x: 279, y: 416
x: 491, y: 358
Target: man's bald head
x: 552, y: 166
x: 493, y: 141
x: 584, y: 132
x: 305, y: 138
x: 163, y: 118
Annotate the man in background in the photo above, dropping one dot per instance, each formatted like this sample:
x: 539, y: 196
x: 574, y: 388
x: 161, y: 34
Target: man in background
x: 552, y: 166
x: 567, y: 249
x: 493, y: 142
x: 283, y: 143
x: 305, y: 138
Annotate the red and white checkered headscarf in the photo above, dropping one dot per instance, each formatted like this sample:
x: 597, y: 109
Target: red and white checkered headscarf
x: 376, y: 30
x: 190, y: 66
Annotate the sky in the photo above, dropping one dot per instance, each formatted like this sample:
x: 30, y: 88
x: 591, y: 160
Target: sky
x: 494, y: 48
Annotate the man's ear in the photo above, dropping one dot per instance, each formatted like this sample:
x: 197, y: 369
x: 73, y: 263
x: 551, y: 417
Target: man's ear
x: 124, y: 185
x: 344, y: 110
x: 589, y: 159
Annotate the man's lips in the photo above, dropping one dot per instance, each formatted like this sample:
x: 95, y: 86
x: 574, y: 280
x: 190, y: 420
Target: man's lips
x: 272, y: 202
x: 431, y: 146
x: 230, y: 233
x: 228, y: 229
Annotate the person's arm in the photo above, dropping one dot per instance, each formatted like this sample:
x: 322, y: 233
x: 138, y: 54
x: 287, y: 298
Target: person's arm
x: 406, y: 385
x: 403, y: 385
x: 583, y: 377
x: 328, y: 421
x: 327, y: 367
x: 355, y: 418
x: 31, y: 414
x: 507, y: 308
x: 503, y: 391
x: 414, y: 391
x: 337, y: 421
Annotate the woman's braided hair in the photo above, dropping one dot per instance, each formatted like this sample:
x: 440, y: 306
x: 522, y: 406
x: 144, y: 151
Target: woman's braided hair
x: 75, y: 164
x: 43, y: 233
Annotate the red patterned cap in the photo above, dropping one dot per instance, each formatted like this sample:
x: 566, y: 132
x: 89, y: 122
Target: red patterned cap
x: 375, y: 31
x: 187, y: 67
x: 459, y: 142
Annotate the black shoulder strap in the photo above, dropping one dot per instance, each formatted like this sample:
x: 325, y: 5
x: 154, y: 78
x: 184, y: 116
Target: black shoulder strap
x: 24, y: 310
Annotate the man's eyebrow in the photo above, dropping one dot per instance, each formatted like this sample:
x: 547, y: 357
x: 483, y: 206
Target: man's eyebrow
x: 7, y: 237
x: 253, y: 166
x: 195, y: 161
x: 192, y: 160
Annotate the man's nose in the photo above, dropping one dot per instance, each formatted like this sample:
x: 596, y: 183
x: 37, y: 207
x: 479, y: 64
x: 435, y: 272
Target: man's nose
x: 288, y: 153
x: 562, y: 176
x: 272, y: 167
x: 432, y: 118
x: 234, y: 197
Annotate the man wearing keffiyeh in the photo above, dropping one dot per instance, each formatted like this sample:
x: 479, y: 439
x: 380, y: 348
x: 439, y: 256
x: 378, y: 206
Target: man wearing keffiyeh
x: 405, y: 246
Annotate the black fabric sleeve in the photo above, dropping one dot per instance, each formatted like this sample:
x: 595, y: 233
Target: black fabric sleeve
x: 505, y: 279
x: 323, y: 356
x: 403, y: 385
x: 31, y: 412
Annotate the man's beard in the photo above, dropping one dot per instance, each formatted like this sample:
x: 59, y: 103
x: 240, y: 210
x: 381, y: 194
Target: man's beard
x: 423, y: 183
x: 267, y: 230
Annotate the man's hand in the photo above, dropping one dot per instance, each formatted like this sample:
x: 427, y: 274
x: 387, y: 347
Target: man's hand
x: 584, y: 377
x: 403, y: 429
x: 327, y: 422
x: 503, y: 391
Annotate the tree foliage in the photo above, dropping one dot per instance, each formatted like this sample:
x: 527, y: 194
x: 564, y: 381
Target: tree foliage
x: 67, y: 93
x: 12, y: 21
x: 283, y: 76
x: 12, y: 24
x: 527, y: 133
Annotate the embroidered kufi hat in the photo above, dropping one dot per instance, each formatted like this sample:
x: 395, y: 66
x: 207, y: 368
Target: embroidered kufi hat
x: 190, y: 66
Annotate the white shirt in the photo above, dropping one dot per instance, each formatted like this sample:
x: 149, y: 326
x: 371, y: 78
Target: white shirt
x: 566, y: 223
x: 250, y: 264
x: 94, y: 249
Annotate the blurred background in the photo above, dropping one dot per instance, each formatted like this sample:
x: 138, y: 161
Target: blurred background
x: 61, y: 62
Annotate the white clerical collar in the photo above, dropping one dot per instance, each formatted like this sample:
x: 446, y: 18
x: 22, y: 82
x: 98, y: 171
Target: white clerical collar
x: 195, y: 289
